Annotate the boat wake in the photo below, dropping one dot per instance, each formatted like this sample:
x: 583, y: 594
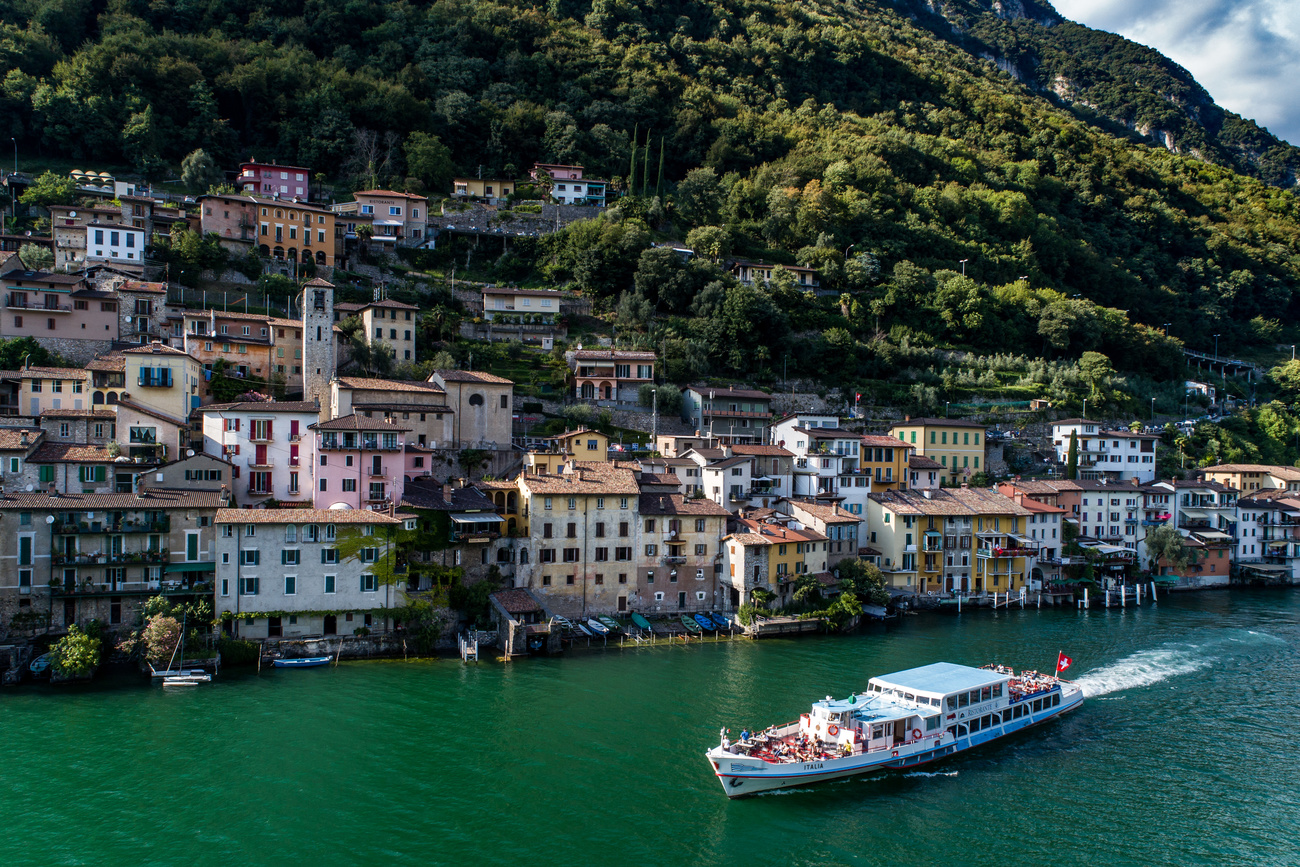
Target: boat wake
x: 1144, y: 668
x: 930, y: 774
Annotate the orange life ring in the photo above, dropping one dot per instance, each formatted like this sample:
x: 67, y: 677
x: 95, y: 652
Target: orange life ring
x: 832, y: 730
x: 916, y: 734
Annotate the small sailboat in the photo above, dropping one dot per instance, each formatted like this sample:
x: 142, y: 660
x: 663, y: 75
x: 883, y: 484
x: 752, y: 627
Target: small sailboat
x: 182, y: 677
x: 305, y: 662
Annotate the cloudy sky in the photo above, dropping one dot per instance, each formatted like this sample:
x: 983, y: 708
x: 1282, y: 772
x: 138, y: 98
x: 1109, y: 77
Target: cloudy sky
x: 1246, y: 53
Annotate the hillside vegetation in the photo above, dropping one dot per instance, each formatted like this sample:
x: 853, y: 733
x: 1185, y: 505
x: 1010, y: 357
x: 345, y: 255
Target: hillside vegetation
x: 840, y: 135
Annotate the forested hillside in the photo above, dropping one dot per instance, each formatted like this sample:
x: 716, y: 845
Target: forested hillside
x: 841, y: 135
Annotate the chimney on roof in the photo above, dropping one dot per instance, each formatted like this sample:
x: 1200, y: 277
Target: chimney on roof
x: 925, y: 492
x: 446, y: 493
x: 907, y: 418
x: 54, y: 492
x: 24, y: 436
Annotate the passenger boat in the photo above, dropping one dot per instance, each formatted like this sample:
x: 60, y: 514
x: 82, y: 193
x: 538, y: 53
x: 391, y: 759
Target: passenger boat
x: 305, y: 662
x: 902, y: 720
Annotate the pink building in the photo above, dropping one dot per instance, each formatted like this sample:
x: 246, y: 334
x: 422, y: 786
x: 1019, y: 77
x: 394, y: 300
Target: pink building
x: 361, y: 463
x: 274, y: 181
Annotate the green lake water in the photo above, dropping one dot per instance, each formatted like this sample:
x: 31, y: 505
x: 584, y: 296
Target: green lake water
x: 1185, y: 754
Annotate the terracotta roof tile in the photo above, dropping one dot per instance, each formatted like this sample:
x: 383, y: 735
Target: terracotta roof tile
x: 153, y: 498
x: 676, y: 504
x: 473, y: 376
x: 354, y: 422
x: 369, y: 383
x: 303, y: 516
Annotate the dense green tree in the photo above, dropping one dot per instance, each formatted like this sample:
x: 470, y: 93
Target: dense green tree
x: 36, y: 257
x: 199, y: 172
x: 50, y: 189
x: 428, y: 159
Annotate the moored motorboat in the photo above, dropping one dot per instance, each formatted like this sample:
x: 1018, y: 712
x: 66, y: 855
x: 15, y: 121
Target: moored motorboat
x: 304, y: 662
x: 902, y: 720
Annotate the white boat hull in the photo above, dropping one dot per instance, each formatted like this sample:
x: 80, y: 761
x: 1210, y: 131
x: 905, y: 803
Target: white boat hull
x: 741, y: 775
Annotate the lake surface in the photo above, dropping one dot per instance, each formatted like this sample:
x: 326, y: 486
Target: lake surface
x: 1185, y: 754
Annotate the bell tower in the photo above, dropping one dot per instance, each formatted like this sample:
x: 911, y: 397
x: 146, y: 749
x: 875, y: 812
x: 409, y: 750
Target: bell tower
x: 318, y: 354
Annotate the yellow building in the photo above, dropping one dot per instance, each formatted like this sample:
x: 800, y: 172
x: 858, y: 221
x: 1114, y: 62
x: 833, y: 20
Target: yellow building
x: 581, y: 445
x: 957, y: 444
x: 769, y: 555
x: 955, y: 540
x: 1249, y: 478
x: 884, y: 461
x: 491, y: 189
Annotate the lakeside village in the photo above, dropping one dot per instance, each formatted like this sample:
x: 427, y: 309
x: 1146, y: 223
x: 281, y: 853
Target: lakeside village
x: 360, y: 515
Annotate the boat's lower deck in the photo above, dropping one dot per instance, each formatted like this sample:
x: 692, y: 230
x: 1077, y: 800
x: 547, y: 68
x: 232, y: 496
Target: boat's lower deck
x: 783, y: 759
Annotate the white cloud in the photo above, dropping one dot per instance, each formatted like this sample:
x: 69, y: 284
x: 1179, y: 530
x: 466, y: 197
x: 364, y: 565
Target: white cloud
x: 1246, y: 53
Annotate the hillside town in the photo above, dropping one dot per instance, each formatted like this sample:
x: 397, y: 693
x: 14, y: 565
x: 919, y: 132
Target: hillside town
x: 130, y: 474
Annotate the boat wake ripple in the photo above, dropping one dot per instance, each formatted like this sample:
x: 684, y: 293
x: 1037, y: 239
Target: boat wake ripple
x: 930, y: 774
x: 1144, y: 668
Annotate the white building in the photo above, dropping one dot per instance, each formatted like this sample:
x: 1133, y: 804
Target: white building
x: 826, y: 462
x: 268, y: 444
x: 278, y: 561
x: 1117, y: 455
x: 114, y: 242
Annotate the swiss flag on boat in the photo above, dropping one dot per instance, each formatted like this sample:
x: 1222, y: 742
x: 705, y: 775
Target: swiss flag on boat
x: 1063, y: 662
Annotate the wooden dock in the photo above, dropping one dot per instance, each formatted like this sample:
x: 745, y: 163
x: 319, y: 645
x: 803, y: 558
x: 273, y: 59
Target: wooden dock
x: 766, y: 627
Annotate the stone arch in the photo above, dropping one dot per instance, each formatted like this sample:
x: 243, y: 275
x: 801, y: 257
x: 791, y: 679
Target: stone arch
x: 476, y: 399
x: 112, y: 397
x: 320, y: 257
x: 306, y: 257
x: 97, y: 397
x: 278, y: 252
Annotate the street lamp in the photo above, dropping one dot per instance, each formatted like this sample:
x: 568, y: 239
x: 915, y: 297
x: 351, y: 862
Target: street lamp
x: 1293, y: 352
x: 963, y: 266
x: 1166, y: 327
x: 1216, y: 347
x: 1153, y: 409
x: 1085, y: 409
x: 945, y: 408
x: 15, y: 141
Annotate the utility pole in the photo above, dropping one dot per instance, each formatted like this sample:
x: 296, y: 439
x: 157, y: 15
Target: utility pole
x: 654, y: 418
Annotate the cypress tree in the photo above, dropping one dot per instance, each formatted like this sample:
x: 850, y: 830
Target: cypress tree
x: 645, y: 173
x: 1072, y: 457
x: 631, y: 171
x: 659, y: 184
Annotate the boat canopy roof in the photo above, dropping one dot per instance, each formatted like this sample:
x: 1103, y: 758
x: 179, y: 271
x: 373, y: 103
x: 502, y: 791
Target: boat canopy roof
x: 940, y: 678
x: 876, y: 707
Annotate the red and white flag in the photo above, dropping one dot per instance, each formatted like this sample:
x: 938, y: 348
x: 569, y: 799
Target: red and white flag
x: 858, y: 397
x: 1063, y: 662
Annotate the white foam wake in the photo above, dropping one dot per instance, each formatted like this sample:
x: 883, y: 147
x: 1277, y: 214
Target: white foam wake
x: 1142, y: 669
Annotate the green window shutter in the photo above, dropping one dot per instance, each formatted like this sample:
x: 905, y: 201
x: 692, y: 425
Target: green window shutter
x: 101, y: 474
x: 47, y: 474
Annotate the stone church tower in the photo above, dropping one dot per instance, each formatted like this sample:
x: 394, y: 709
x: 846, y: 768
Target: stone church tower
x: 318, y: 353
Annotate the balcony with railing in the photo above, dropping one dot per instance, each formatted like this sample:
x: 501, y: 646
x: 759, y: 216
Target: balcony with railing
x: 258, y: 489
x: 265, y: 462
x: 20, y: 303
x: 68, y: 528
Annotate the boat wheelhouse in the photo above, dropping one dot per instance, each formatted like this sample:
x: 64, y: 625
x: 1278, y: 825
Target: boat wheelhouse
x: 903, y: 719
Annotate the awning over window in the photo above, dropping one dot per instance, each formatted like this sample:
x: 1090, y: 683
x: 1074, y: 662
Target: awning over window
x: 191, y: 567
x: 476, y: 518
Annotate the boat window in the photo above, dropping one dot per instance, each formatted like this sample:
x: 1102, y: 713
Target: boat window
x: 991, y: 720
x: 1006, y: 715
x: 932, y: 723
x: 877, y: 731
x: 1056, y: 699
x: 985, y: 693
x: 963, y: 699
x: 1038, y: 705
x: 909, y: 696
x: 1020, y: 711
x: 961, y: 731
x: 952, y: 702
x: 974, y: 696
x: 997, y: 690
x: 952, y: 730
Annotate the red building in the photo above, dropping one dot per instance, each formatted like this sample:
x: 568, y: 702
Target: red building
x: 274, y: 181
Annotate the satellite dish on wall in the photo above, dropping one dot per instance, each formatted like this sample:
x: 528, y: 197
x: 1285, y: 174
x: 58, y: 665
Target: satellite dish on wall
x: 128, y: 318
x: 189, y: 453
x: 49, y: 519
x: 30, y: 488
x: 72, y: 213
